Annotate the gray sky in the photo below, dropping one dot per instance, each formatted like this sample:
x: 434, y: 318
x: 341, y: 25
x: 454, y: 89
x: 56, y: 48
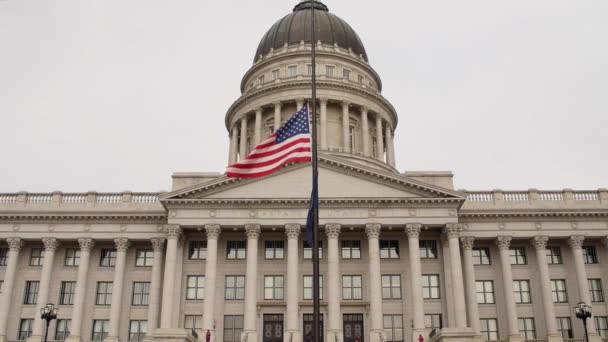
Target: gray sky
x: 116, y: 95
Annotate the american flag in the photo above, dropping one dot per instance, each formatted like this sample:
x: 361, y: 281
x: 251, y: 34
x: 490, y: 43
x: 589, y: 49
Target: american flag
x: 289, y: 144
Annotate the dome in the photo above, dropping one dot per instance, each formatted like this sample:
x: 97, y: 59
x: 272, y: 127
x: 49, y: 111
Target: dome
x: 295, y: 27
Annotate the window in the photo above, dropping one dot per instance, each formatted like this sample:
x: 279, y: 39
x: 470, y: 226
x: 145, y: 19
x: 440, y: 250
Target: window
x: 193, y: 322
x: 389, y: 249
x: 308, y: 250
x: 104, y: 293
x: 308, y: 287
x: 233, y: 327
x: 485, y: 292
x: 330, y: 70
x: 236, y: 249
x: 374, y: 147
x: 481, y: 256
x: 292, y: 70
x: 346, y: 74
x: 361, y: 79
x: 235, y: 288
x: 25, y: 328
x: 3, y: 256
x: 554, y: 256
x: 31, y: 292
x: 393, y: 328
x: 428, y: 249
x: 261, y: 80
x: 275, y: 74
x: 518, y: 256
x: 137, y: 330
x: 432, y: 321
x: 596, y: 291
x: 68, y: 289
x: 37, y: 257
x: 351, y: 249
x: 273, y: 287
x: 274, y: 249
x: 100, y: 329
x: 590, y: 255
x: 108, y: 258
x: 391, y: 287
x: 144, y: 257
x: 430, y: 286
x: 72, y: 257
x: 195, y: 288
x: 352, y: 287
x: 62, y: 329
x: 601, y: 326
x: 489, y: 329
x: 564, y: 326
x: 522, y: 291
x: 526, y: 328
x: 1, y: 284
x: 558, y: 291
x: 351, y: 137
x: 308, y: 323
x: 197, y: 250
x: 141, y: 293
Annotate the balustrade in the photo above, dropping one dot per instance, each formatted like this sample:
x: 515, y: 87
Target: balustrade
x: 8, y: 198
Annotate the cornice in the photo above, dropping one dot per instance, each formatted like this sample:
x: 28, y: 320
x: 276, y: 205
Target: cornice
x: 83, y: 217
x: 526, y: 214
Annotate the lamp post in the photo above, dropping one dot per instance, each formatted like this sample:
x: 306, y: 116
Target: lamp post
x: 583, y: 311
x: 48, y: 313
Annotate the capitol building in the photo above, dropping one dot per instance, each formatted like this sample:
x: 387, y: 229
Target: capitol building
x: 404, y: 255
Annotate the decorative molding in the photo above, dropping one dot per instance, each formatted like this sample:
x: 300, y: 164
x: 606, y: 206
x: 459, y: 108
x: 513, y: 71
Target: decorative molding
x: 84, y: 216
x: 452, y: 230
x: 50, y: 243
x: 122, y: 244
x: 213, y: 231
x: 576, y: 241
x: 503, y: 242
x: 525, y: 214
x: 158, y: 244
x: 86, y: 244
x: 14, y: 243
x: 467, y: 242
x: 413, y: 230
x: 332, y: 230
x: 173, y: 231
x: 253, y: 230
x: 292, y: 231
x: 540, y: 242
x: 373, y: 230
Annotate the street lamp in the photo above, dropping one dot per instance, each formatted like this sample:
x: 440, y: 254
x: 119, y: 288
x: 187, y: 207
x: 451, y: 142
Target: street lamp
x: 583, y: 311
x: 48, y: 313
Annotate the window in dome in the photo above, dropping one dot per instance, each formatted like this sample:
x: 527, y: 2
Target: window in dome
x: 275, y: 74
x: 361, y: 79
x: 351, y: 137
x: 346, y: 74
x: 292, y: 70
x: 261, y: 80
x: 330, y: 70
x: 374, y: 147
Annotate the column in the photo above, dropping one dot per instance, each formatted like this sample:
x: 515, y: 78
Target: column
x: 86, y: 245
x: 323, y: 103
x: 576, y: 244
x: 251, y: 277
x: 540, y: 245
x: 243, y: 144
x: 14, y: 247
x: 379, y: 139
x: 345, y: 127
x: 173, y: 232
x: 452, y: 231
x: 258, y: 126
x: 277, y: 115
x: 390, y: 152
x: 470, y: 284
x: 334, y: 321
x: 375, y: 283
x: 503, y: 243
x: 234, y: 138
x: 299, y: 103
x: 213, y: 234
x: 122, y: 245
x: 413, y: 233
x: 292, y: 327
x: 365, y: 129
x: 50, y: 246
x: 158, y: 245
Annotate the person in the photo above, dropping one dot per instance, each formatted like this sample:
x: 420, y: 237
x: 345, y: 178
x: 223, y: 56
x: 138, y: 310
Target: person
x: 420, y: 338
x: 208, y: 336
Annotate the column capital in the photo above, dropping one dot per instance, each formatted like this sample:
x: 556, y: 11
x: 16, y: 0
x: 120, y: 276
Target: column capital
x: 467, y: 242
x: 323, y: 100
x: 157, y: 244
x: 213, y: 231
x: 14, y: 243
x: 86, y: 244
x: 253, y: 230
x: 503, y: 241
x: 332, y: 230
x: 50, y: 243
x: 576, y: 241
x: 413, y: 230
x: 345, y: 104
x: 277, y: 104
x: 173, y: 231
x: 540, y: 242
x: 452, y: 230
x: 373, y: 230
x: 122, y: 244
x: 364, y: 109
x: 258, y: 110
x: 292, y: 231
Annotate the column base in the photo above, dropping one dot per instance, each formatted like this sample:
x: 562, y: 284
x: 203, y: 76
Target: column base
x: 73, y: 339
x: 170, y: 335
x: 336, y: 336
x: 515, y: 338
x: 377, y: 336
x: 554, y: 338
x: 3, y: 338
x: 292, y: 336
x: 249, y: 336
x: 111, y: 339
x: 40, y: 338
x: 594, y: 337
x: 454, y: 335
x: 416, y: 333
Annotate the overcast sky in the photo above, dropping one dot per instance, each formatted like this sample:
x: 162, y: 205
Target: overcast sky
x: 117, y: 95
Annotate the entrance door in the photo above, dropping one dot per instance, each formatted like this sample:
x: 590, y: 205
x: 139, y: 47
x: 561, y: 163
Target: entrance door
x: 353, y: 328
x: 308, y: 328
x: 273, y: 328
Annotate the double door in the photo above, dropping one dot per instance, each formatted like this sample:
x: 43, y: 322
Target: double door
x: 273, y: 328
x: 308, y: 324
x: 353, y: 328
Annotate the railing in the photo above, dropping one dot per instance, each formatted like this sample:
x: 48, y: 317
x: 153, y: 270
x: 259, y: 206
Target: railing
x: 551, y: 196
x: 74, y: 198
x: 39, y: 198
x: 546, y: 196
x: 145, y: 198
x: 516, y: 196
x: 59, y: 198
x: 8, y: 198
x: 109, y: 198
x: 480, y: 197
x: 586, y: 196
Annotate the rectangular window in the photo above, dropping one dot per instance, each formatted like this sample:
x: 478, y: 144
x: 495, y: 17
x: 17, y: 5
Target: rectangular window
x: 522, y: 291
x: 1, y: 284
x: 292, y: 70
x: 275, y: 74
x: 489, y: 329
x: 144, y: 257
x: 236, y: 249
x: 37, y: 257
x: 330, y: 70
x: 526, y: 328
x: 72, y: 257
x: 432, y: 321
x: 273, y: 287
x: 308, y: 287
x: 559, y: 291
x: 308, y: 250
x: 308, y: 323
x: 428, y: 249
x: 137, y: 330
x: 261, y: 79
x: 360, y: 79
x: 352, y: 287
x: 274, y: 249
x: 351, y: 249
x: 554, y: 256
x: 193, y: 322
x: 30, y: 296
x: 590, y: 255
x: 25, y: 328
x: 3, y: 256
x: 346, y: 74
x: 62, y: 329
x: 430, y: 286
x: 564, y: 326
x: 233, y: 327
x: 68, y: 289
x: 197, y: 250
x: 141, y: 293
x: 235, y: 288
x: 485, y: 292
x: 389, y: 249
x: 601, y: 326
x: 393, y: 328
x: 195, y: 288
x: 104, y: 293
x: 596, y: 291
x: 100, y: 329
x: 391, y: 287
x: 518, y: 256
x: 481, y: 256
x: 108, y: 257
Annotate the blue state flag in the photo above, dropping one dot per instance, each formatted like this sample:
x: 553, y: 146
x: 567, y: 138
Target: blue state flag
x: 310, y: 220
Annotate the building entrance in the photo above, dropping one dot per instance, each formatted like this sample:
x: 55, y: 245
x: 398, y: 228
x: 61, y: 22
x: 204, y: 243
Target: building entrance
x: 353, y: 328
x: 273, y: 328
x: 308, y: 327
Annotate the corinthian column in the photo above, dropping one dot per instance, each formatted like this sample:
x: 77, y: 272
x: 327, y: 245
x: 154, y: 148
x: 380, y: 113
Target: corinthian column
x: 258, y: 126
x: 365, y: 129
x: 334, y: 327
x: 323, y: 103
x: 503, y: 243
x: 452, y: 230
x: 390, y: 150
x: 213, y: 234
x: 470, y: 284
x: 576, y: 245
x: 375, y: 283
x: 345, y: 127
x: 86, y: 245
x: 50, y: 246
x: 122, y: 245
x: 540, y: 245
x: 292, y: 328
x: 379, y: 139
x: 250, y: 327
x: 14, y: 246
x: 158, y: 245
x: 243, y: 143
x: 277, y: 115
x: 233, y: 157
x: 173, y: 233
x: 413, y: 233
